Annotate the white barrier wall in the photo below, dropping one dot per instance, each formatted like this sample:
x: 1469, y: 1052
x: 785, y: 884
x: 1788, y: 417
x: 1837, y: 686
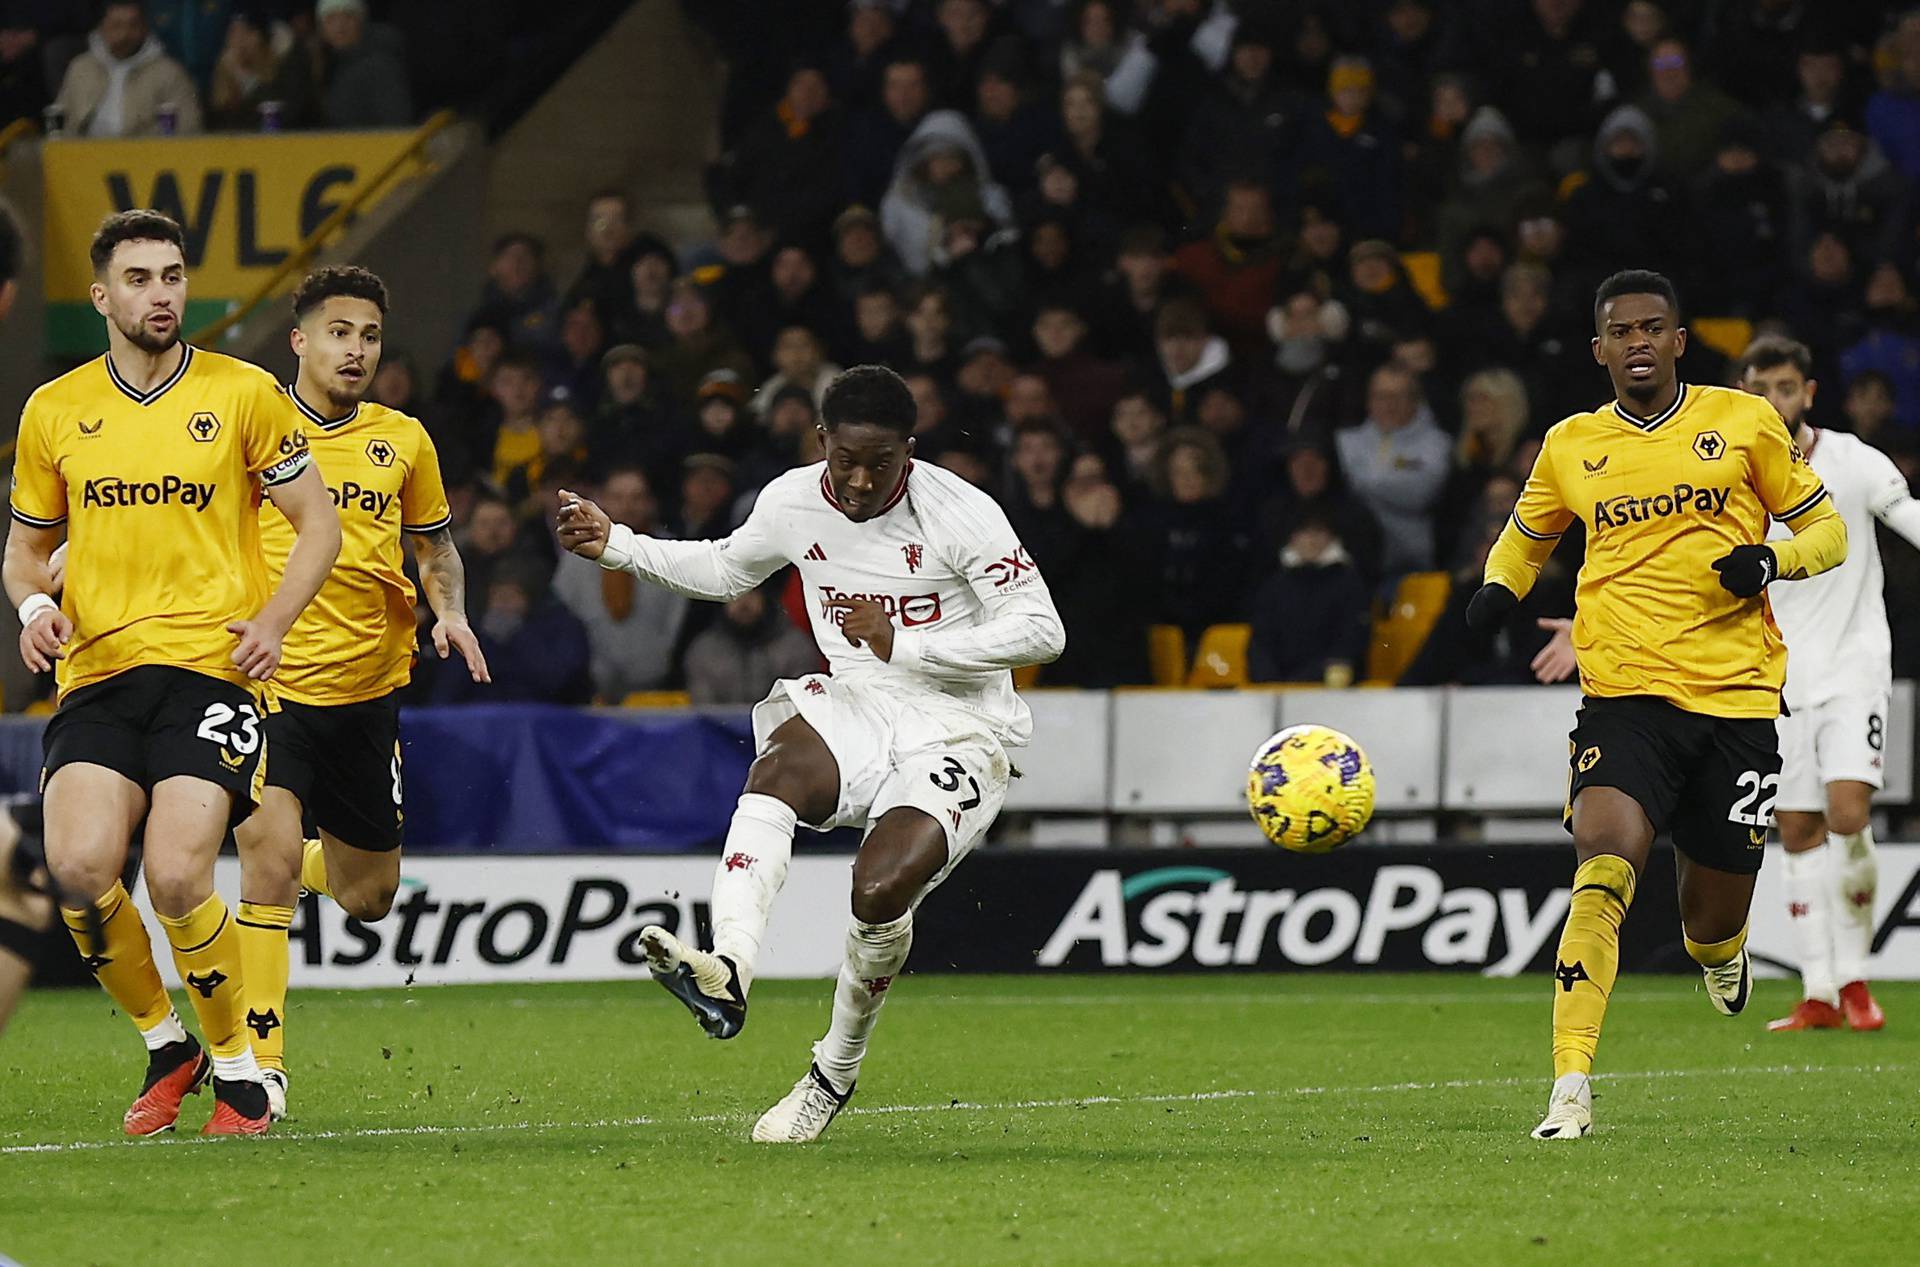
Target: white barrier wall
x: 1494, y: 749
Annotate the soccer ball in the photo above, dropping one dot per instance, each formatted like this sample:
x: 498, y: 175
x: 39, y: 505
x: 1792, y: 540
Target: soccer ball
x: 1310, y: 789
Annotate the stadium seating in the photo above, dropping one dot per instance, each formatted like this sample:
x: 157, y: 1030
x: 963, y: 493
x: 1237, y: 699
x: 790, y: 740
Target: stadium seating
x: 1167, y: 655
x: 1400, y: 631
x: 1221, y: 658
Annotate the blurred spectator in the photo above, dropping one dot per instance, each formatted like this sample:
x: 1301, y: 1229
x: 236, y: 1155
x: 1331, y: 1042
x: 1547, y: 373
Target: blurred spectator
x: 573, y: 367
x: 1397, y: 463
x: 1036, y: 470
x: 487, y: 541
x: 795, y: 296
x: 960, y: 45
x: 536, y: 648
x: 1793, y: 126
x: 23, y: 60
x: 1354, y: 153
x: 1754, y: 43
x: 1432, y: 153
x: 518, y: 294
x: 1892, y: 343
x: 124, y: 84
x: 723, y: 423
x: 1311, y: 388
x: 930, y: 327
x: 1095, y: 568
x: 1493, y: 418
x: 1244, y: 124
x: 516, y: 394
x: 633, y: 427
x: 799, y: 361
x: 263, y: 61
x: 396, y: 385
x: 861, y: 256
x: 1198, y: 545
x: 1491, y: 181
x: 1740, y: 203
x: 1132, y: 294
x: 856, y: 60
x: 1139, y: 427
x: 1622, y: 212
x: 879, y: 335
x: 364, y: 75
x: 787, y: 164
x: 1548, y: 67
x: 787, y: 439
x: 1525, y: 337
x: 752, y: 645
x: 1237, y: 267
x: 606, y: 276
x: 1310, y: 487
x: 1381, y: 303
x: 1869, y: 407
x: 1849, y: 189
x: 1107, y: 163
x: 1190, y: 354
x: 1471, y: 275
x: 940, y: 176
x: 632, y: 627
x: 1312, y: 618
x: 1822, y: 304
x: 1893, y: 113
x: 1014, y: 130
x: 1117, y: 55
x: 1688, y: 116
x: 875, y: 134
x: 1083, y: 386
x: 982, y: 268
x: 698, y: 344
x: 706, y: 497
x: 640, y: 315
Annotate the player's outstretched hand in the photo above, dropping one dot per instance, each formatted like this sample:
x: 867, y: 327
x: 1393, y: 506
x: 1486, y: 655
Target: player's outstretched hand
x: 865, y: 623
x: 258, y: 654
x: 1746, y: 570
x: 42, y: 638
x: 584, y: 527
x: 1489, y: 606
x: 1555, y: 663
x: 449, y: 636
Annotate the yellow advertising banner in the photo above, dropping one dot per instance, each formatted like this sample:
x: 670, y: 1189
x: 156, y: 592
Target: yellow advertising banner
x: 244, y: 201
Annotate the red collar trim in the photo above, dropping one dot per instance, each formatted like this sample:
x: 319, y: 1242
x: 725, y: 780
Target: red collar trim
x: 893, y: 499
x: 1813, y: 440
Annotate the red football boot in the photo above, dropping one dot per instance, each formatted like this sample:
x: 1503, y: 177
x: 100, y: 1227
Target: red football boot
x: 1862, y: 1012
x: 1808, y: 1014
x: 174, y: 1072
x: 239, y: 1108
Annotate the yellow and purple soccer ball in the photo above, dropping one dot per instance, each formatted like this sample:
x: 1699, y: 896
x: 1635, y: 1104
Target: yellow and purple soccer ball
x: 1310, y: 788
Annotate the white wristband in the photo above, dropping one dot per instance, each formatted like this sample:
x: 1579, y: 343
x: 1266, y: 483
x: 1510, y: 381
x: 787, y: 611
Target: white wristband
x: 35, y: 604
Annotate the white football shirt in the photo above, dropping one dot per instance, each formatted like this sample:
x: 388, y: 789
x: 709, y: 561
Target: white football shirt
x: 1835, y: 623
x: 967, y: 601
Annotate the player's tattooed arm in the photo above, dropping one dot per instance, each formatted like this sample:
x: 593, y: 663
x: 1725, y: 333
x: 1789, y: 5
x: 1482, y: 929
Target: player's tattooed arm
x: 444, y: 579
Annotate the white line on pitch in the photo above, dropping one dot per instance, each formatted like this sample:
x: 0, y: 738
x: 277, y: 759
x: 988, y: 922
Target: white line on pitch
x: 952, y: 1106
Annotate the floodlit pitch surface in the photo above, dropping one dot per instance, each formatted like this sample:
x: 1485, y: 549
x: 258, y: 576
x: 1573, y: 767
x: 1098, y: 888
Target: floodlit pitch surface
x: 1178, y: 1120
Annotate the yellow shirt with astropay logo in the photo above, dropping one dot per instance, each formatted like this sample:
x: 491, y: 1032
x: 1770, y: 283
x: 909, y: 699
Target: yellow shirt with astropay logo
x: 160, y: 493
x: 1662, y: 498
x: 355, y: 640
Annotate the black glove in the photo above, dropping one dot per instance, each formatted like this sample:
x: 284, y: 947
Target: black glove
x: 1746, y: 570
x: 1490, y: 607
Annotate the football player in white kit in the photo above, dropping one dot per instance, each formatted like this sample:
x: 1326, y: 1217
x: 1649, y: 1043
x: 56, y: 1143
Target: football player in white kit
x: 923, y: 601
x: 1833, y: 731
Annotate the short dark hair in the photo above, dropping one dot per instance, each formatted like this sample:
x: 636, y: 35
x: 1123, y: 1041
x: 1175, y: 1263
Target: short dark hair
x: 1635, y: 281
x: 520, y: 237
x: 1771, y: 351
x: 338, y: 280
x: 869, y: 394
x: 138, y: 225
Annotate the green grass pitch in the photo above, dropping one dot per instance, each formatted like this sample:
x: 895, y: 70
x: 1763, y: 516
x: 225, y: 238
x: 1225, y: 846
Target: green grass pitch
x: 1178, y: 1120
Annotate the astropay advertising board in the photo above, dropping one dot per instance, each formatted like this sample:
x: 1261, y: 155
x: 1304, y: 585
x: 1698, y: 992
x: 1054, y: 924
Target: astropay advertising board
x: 1494, y: 910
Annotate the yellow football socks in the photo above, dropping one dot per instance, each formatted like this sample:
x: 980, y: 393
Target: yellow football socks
x: 313, y: 869
x: 123, y: 961
x: 1589, y: 959
x: 206, y: 949
x: 263, y: 970
x: 1712, y: 954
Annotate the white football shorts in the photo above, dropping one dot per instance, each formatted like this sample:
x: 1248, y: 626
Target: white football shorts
x: 1844, y: 738
x: 897, y: 748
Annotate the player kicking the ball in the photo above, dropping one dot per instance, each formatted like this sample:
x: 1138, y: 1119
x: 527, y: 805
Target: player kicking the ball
x: 1839, y: 678
x: 336, y: 738
x: 1681, y: 669
x: 924, y: 601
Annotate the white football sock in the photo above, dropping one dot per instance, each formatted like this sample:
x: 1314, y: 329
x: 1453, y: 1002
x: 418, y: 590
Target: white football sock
x: 241, y: 1068
x: 1855, y: 872
x: 751, y: 872
x: 167, y: 1031
x: 1809, y: 910
x: 875, y: 955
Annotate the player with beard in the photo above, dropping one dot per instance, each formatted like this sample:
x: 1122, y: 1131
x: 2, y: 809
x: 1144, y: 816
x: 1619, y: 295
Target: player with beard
x: 1680, y: 662
x: 924, y: 601
x: 152, y: 459
x: 336, y: 736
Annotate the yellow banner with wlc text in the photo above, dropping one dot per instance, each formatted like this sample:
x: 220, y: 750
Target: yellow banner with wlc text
x: 245, y: 202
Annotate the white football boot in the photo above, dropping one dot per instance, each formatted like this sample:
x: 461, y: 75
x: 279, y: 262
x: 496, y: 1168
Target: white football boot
x: 804, y: 1113
x: 1731, y: 984
x: 275, y: 1081
x: 1569, y: 1108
